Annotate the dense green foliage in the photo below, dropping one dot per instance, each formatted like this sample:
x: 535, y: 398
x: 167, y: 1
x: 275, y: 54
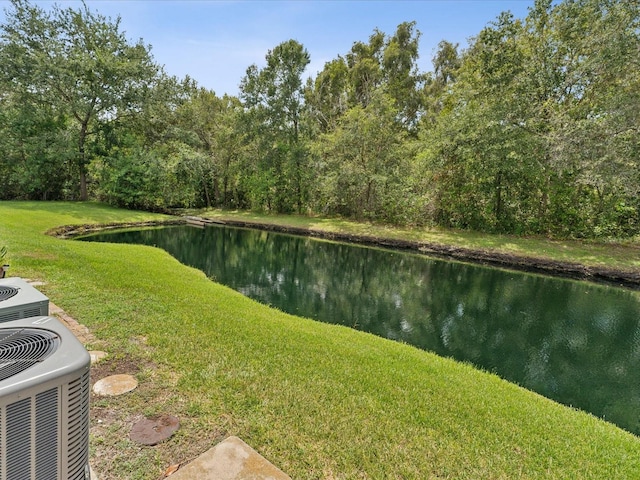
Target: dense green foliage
x: 533, y: 129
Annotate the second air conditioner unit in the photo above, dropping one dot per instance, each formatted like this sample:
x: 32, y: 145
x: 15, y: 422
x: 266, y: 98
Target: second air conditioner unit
x: 18, y: 300
x: 44, y: 402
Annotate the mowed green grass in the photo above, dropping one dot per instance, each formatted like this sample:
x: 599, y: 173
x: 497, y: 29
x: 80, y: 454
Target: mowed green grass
x: 319, y: 401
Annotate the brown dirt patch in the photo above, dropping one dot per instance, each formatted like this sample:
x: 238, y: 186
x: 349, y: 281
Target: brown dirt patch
x: 113, y: 418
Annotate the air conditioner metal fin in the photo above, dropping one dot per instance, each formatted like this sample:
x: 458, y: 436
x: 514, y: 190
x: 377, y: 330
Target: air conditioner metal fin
x: 20, y: 348
x: 7, y: 292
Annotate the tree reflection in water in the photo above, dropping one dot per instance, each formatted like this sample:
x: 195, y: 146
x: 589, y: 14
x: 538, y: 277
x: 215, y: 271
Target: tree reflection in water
x: 574, y: 342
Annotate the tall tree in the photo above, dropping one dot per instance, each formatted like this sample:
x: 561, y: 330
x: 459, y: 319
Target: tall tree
x: 215, y: 124
x: 365, y: 70
x: 149, y: 160
x: 597, y: 133
x: 400, y: 69
x: 361, y: 166
x: 539, y: 131
x: 327, y: 97
x: 273, y: 98
x: 79, y: 63
x: 446, y: 64
x: 34, y: 153
x: 384, y: 62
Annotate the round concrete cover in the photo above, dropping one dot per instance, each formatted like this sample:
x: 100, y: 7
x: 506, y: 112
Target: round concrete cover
x: 151, y: 431
x: 115, y: 385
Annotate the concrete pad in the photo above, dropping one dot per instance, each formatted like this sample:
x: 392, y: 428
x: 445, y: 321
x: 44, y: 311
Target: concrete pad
x: 115, y: 385
x: 231, y: 459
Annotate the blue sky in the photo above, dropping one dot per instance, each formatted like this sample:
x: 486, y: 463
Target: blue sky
x: 214, y: 41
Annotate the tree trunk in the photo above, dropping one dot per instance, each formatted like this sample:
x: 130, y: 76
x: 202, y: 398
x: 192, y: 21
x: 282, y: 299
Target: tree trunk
x: 498, y: 204
x: 206, y: 194
x: 82, y: 159
x: 84, y: 195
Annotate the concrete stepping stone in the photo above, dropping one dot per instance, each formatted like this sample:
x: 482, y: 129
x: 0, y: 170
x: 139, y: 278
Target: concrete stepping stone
x: 96, y: 356
x: 152, y: 431
x: 231, y: 459
x: 115, y: 385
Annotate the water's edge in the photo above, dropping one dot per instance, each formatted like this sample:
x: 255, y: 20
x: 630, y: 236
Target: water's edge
x: 610, y: 276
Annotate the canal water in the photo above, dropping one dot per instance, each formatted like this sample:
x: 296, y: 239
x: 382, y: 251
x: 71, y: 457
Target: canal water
x: 575, y: 342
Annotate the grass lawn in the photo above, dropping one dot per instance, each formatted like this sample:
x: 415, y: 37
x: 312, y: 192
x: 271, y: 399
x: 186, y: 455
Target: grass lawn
x: 319, y: 401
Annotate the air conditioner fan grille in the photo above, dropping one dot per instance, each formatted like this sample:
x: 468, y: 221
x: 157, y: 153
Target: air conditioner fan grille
x: 7, y: 292
x: 21, y: 348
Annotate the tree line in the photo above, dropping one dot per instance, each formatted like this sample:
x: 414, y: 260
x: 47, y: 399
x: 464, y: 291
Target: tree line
x: 532, y: 129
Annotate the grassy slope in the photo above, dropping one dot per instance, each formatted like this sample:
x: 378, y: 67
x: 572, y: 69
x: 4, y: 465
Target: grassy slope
x: 318, y: 400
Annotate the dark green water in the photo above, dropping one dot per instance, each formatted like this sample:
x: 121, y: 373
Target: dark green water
x: 574, y: 342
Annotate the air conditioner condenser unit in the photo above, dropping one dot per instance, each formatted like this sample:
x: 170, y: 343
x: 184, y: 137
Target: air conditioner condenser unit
x: 44, y: 402
x: 18, y: 300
